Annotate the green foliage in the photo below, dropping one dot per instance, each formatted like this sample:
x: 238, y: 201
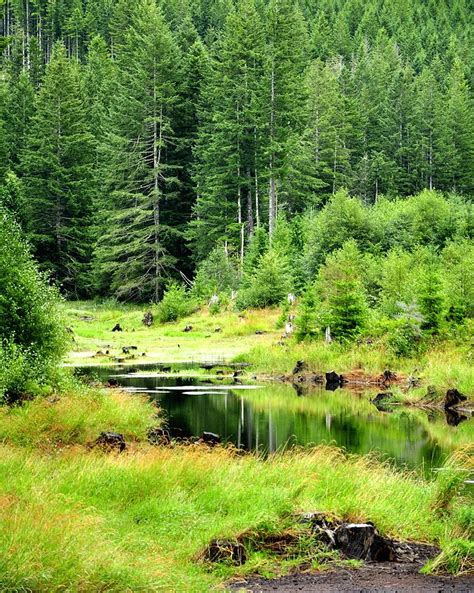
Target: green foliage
x: 306, y: 318
x: 216, y: 274
x: 341, y: 292
x: 431, y: 301
x: 175, y: 304
x: 269, y: 284
x: 57, y: 164
x: 32, y: 338
x: 132, y: 254
x: 405, y: 336
x: 342, y: 218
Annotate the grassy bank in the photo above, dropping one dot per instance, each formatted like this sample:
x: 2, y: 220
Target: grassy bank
x: 77, y: 519
x: 232, y: 336
x: 213, y: 337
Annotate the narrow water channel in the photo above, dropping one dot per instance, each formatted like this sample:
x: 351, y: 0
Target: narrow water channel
x: 270, y: 417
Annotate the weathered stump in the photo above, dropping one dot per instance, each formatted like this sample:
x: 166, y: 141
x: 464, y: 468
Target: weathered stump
x: 148, y: 319
x: 300, y: 366
x: 453, y: 398
x: 227, y: 551
x: 111, y: 440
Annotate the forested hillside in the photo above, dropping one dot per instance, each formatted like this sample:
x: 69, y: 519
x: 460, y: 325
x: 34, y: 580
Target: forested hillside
x: 250, y: 140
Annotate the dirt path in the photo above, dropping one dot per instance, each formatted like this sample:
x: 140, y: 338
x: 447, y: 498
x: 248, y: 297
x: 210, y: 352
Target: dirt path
x: 384, y: 576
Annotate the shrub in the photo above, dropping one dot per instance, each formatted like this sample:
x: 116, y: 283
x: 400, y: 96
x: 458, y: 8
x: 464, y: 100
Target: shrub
x: 174, y: 304
x: 218, y: 273
x: 269, y: 284
x: 32, y: 336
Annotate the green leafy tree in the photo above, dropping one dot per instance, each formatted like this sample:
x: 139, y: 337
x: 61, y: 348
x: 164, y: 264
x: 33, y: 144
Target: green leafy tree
x: 32, y: 338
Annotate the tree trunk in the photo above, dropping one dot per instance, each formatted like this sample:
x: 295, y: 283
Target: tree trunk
x: 272, y: 196
x: 157, y: 137
x: 257, y: 205
x: 250, y: 222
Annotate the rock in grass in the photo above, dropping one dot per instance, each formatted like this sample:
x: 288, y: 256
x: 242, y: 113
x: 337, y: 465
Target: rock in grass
x: 453, y: 398
x: 111, y: 440
x: 227, y: 551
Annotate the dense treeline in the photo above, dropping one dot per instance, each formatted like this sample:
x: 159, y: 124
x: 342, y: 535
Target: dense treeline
x: 139, y: 140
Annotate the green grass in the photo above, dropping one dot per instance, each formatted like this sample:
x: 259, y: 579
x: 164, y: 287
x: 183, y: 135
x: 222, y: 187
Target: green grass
x: 164, y: 342
x: 77, y: 519
x: 77, y: 417
x: 446, y: 364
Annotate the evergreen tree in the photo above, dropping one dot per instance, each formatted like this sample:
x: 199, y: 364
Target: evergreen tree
x: 284, y: 105
x: 19, y: 110
x: 132, y: 252
x: 229, y: 148
x: 57, y: 167
x: 340, y: 289
x: 455, y: 139
x: 430, y: 298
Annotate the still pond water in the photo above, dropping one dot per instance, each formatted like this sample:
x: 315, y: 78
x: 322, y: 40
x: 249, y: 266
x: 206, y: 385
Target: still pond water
x: 270, y: 417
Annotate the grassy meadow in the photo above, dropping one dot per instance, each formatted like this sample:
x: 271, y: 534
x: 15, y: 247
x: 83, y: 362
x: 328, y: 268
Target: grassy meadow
x: 230, y: 335
x: 213, y: 337
x: 75, y: 518
x: 78, y: 519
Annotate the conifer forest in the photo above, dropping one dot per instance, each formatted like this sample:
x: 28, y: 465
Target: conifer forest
x: 142, y: 142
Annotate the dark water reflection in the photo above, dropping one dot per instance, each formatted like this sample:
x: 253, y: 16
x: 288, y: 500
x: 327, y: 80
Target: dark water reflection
x: 271, y: 417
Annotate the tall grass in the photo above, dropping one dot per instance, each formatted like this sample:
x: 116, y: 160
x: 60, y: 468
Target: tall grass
x: 82, y: 521
x: 76, y: 418
x: 77, y: 519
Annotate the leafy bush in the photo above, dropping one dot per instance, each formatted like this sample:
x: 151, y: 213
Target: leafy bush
x: 218, y: 273
x: 32, y: 336
x: 405, y: 335
x: 269, y: 284
x: 175, y: 304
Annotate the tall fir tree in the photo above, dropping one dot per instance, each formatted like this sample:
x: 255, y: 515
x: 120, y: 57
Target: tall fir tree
x: 229, y: 148
x: 284, y: 105
x: 133, y: 248
x: 57, y: 166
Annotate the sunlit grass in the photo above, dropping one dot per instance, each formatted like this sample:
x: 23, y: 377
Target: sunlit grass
x: 213, y: 337
x: 77, y: 519
x: 138, y: 521
x: 76, y: 418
